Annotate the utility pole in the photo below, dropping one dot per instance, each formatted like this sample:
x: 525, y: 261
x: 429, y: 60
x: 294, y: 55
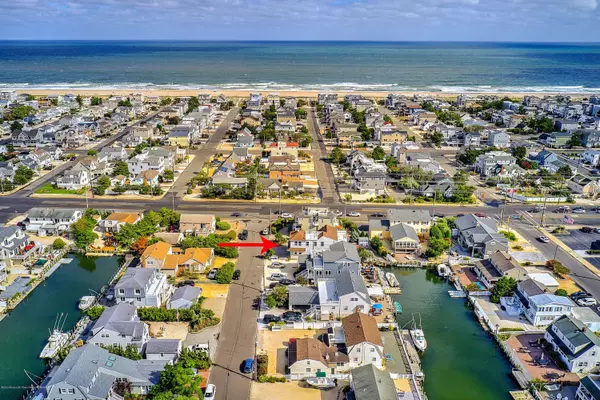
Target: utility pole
x: 173, y: 200
x: 543, y: 208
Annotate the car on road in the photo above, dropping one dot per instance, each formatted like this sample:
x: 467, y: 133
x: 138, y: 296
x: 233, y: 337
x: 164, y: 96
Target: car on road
x: 586, y: 301
x: 243, y: 234
x: 248, y: 366
x: 579, y: 295
x: 286, y: 215
x: 277, y: 264
x: 268, y: 318
x: 544, y: 239
x: 287, y: 282
x: 236, y: 214
x: 213, y: 273
x: 480, y: 215
x: 533, y: 210
x: 292, y: 316
x: 378, y: 215
x: 338, y: 213
x: 595, y: 172
x: 265, y: 231
x: 187, y: 282
x: 565, y: 209
x: 276, y: 277
x: 236, y: 275
x: 587, y: 229
x: 354, y: 214
x: 596, y: 230
x: 579, y: 210
x: 460, y: 215
x: 210, y: 391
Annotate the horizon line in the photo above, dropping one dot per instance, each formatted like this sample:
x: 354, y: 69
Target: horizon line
x: 299, y: 41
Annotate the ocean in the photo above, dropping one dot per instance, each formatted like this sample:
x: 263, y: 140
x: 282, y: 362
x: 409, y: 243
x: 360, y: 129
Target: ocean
x: 344, y: 66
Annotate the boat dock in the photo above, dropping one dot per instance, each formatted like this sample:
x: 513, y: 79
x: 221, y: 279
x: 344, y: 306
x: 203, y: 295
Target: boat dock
x: 385, y: 284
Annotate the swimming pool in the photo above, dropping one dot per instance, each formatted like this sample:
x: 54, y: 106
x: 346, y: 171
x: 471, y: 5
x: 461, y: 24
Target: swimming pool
x: 480, y: 285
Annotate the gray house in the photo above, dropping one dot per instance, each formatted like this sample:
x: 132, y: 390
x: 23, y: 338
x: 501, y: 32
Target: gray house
x: 369, y: 182
x: 340, y: 255
x: 371, y: 383
x: 480, y: 235
x: 143, y: 287
x: 184, y: 297
x: 163, y: 350
x: 51, y: 221
x: 500, y: 139
x: 486, y: 164
x: 120, y: 325
x: 90, y: 372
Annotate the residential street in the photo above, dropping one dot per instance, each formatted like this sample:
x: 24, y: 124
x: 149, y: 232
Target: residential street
x: 324, y: 172
x: 237, y: 340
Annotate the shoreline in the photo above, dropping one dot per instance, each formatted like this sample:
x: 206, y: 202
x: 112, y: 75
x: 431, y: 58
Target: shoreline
x: 240, y: 93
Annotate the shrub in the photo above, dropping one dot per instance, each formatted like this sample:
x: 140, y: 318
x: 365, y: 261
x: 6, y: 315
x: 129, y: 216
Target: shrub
x: 558, y: 268
x: 58, y: 244
x: 561, y: 292
x: 271, y: 379
x: 262, y: 365
x: 94, y: 312
x: 509, y: 235
x: 223, y: 226
x: 225, y: 273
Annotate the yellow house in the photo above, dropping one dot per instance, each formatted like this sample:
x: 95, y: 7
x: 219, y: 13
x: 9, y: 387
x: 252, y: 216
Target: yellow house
x: 179, y: 138
x: 155, y: 255
x: 395, y: 136
x: 196, y: 259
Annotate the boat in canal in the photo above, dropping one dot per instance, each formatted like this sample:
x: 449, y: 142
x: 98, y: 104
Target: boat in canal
x: 392, y: 280
x: 321, y: 383
x: 57, y: 340
x: 398, y: 307
x: 443, y: 271
x: 86, y: 302
x: 418, y: 336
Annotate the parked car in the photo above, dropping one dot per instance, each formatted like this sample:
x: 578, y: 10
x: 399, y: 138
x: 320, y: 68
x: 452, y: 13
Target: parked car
x: 236, y: 214
x: 338, y: 213
x: 287, y: 282
x: 587, y: 229
x: 187, y: 282
x: 277, y: 264
x: 276, y: 277
x: 579, y: 210
x: 248, y: 366
x: 595, y: 172
x: 544, y: 239
x: 534, y: 210
x: 579, y: 295
x: 213, y: 273
x: 292, y: 316
x: 286, y: 215
x: 597, y: 230
x: 274, y: 258
x: 210, y: 392
x: 272, y: 285
x: 586, y: 301
x: 564, y: 209
x: 354, y: 214
x: 268, y: 318
x: 265, y: 231
x: 236, y: 275
x: 243, y: 234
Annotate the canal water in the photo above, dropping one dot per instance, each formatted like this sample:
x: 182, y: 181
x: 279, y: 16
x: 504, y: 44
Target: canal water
x: 462, y: 361
x: 24, y: 332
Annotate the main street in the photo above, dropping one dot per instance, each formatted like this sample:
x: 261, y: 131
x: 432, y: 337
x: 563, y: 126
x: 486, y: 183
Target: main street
x: 238, y: 335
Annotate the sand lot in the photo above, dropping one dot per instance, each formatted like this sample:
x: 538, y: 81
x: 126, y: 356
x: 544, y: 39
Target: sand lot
x: 275, y: 343
x: 292, y: 390
x: 172, y: 330
x: 215, y: 304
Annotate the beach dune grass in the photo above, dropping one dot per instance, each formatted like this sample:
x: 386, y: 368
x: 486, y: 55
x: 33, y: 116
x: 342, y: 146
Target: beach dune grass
x: 50, y: 189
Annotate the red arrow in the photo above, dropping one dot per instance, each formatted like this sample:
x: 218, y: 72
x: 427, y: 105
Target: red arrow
x: 266, y: 244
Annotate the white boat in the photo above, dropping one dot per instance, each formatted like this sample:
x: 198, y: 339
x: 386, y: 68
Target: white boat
x: 56, y: 341
x: 321, y: 383
x: 443, y: 271
x: 392, y: 280
x: 417, y: 336
x: 86, y: 302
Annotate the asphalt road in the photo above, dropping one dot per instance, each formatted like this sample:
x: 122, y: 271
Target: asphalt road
x: 323, y: 169
x: 238, y: 336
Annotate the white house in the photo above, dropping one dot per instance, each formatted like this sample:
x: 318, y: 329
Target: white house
x: 73, y: 180
x: 589, y: 388
x: 315, y: 241
x: 143, y: 287
x: 51, y: 221
x: 120, y: 325
x: 591, y: 157
x: 540, y: 308
x: 363, y: 340
x: 342, y: 295
x: 144, y: 162
x: 576, y: 345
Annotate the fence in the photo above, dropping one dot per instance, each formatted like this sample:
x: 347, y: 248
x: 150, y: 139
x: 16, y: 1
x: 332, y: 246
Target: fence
x: 296, y: 377
x: 462, y: 260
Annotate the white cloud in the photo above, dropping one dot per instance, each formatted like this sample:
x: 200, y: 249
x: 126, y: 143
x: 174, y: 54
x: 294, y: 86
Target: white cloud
x: 586, y: 4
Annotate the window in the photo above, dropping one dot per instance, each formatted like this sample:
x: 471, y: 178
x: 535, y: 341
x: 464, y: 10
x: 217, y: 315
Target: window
x: 138, y: 291
x: 138, y: 299
x: 358, y: 350
x: 372, y: 350
x: 121, y: 291
x: 374, y: 359
x: 307, y: 369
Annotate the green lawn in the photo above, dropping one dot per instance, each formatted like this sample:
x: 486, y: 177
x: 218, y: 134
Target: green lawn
x: 50, y: 189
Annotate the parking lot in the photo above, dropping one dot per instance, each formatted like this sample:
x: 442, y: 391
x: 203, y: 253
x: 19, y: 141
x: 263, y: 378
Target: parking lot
x: 578, y: 240
x: 284, y: 267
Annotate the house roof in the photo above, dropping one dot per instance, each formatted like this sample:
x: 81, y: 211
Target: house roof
x: 341, y: 250
x: 148, y: 174
x: 592, y: 384
x: 158, y: 250
x: 302, y: 295
x: 121, y: 318
x: 126, y: 218
x: 402, y: 231
x: 329, y: 232
x: 163, y: 346
x: 169, y: 237
x: 576, y: 333
x: 503, y: 262
x: 189, y: 293
x: 135, y: 278
x: 201, y: 255
x: 313, y: 349
x: 298, y: 235
x: 543, y: 299
x: 359, y: 328
x: 171, y: 262
x: 196, y: 219
x: 370, y: 383
x: 422, y: 216
x: 52, y: 212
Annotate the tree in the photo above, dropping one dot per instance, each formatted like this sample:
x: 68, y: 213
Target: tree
x: 300, y: 113
x: 168, y: 217
x: 388, y: 119
x: 82, y: 231
x: 193, y: 104
x: 92, y: 152
x: 168, y: 175
x: 22, y: 175
x: 460, y: 178
x: 16, y: 126
x: 337, y: 156
x: 278, y: 296
x: 165, y: 101
x: 58, y: 244
x: 378, y: 153
x: 561, y: 292
x: 79, y: 100
x: 130, y: 351
x: 504, y: 287
x: 96, y: 101
x: 95, y: 312
x: 177, y: 383
x: 140, y: 245
x: 437, y: 138
x: 225, y: 273
x: 558, y: 268
x: 565, y: 171
x: 173, y: 120
x: 121, y: 168
x: 519, y: 152
x: 576, y: 140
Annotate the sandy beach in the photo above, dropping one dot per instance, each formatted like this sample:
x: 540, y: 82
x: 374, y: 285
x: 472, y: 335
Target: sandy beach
x: 300, y: 94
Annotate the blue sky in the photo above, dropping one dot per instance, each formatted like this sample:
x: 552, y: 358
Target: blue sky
x: 460, y: 20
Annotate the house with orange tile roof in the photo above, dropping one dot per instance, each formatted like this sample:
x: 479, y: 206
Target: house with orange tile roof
x: 155, y: 255
x: 115, y: 221
x: 196, y: 259
x: 315, y: 241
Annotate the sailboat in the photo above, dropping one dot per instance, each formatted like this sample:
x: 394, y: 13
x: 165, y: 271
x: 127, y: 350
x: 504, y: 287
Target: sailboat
x: 417, y: 335
x: 57, y: 340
